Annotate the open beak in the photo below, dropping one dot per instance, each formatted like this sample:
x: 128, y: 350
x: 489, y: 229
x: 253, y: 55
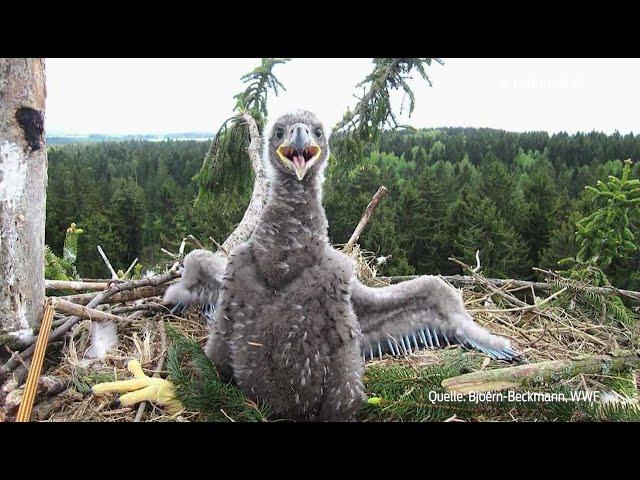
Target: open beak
x: 299, y: 152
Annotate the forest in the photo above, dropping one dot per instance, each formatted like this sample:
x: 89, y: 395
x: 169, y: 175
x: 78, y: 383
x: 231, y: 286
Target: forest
x: 515, y: 197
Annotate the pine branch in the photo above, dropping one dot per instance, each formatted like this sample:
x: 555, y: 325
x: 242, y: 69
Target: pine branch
x: 200, y: 388
x: 373, y: 111
x: 226, y: 167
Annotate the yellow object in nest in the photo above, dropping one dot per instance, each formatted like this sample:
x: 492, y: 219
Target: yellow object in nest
x: 142, y: 389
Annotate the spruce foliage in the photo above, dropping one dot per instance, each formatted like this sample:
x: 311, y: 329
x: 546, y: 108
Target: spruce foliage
x: 200, y: 388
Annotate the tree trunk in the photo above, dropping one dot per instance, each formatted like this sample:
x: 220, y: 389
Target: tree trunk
x: 23, y: 181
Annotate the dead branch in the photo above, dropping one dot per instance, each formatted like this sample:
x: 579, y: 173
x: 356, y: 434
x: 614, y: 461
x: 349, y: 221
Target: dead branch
x: 122, y: 297
x: 553, y: 370
x: 506, y: 296
x: 133, y: 264
x: 135, y: 308
x: 467, y: 280
x: 75, y: 286
x: 114, y: 275
x: 84, y: 312
x: 193, y: 240
x: 220, y: 247
x: 47, y: 386
x: 379, y: 195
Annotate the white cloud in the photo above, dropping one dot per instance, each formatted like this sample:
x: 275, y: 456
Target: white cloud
x: 178, y: 95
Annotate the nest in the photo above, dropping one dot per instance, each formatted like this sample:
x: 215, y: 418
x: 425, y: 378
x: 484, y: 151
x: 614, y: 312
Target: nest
x: 140, y: 338
x: 555, y: 330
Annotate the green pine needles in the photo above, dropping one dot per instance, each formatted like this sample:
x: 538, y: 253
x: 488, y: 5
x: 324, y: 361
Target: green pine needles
x: 199, y: 387
x: 373, y: 111
x: 259, y: 81
x: 227, y: 167
x: 360, y: 129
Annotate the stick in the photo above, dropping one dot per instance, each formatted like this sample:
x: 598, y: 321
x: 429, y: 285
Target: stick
x: 47, y: 386
x: 135, y: 308
x: 122, y: 297
x: 220, y: 247
x: 464, y: 280
x: 522, y: 309
x: 84, y: 312
x: 379, y: 195
x: 76, y: 286
x: 552, y: 370
x: 133, y: 264
x: 510, y: 298
x: 114, y: 275
x: 609, y: 290
x: 26, y: 405
x: 194, y: 240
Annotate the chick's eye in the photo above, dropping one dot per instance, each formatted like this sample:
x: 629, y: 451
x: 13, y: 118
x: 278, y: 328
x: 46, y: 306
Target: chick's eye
x: 318, y: 132
x: 279, y: 133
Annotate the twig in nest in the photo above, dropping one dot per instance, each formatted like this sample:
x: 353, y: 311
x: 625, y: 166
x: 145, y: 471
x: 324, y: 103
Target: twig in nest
x: 73, y: 285
x: 114, y: 275
x: 122, y: 297
x: 84, y: 312
x: 477, y: 267
x: 133, y: 264
x: 172, y: 255
x: 194, y: 240
x: 220, y: 247
x: 608, y: 290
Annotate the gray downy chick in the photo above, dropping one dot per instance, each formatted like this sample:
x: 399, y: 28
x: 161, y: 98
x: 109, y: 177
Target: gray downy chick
x: 293, y: 325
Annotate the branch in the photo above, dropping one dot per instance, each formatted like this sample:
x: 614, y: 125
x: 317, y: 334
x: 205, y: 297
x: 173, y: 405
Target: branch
x: 379, y: 195
x: 114, y: 275
x: 133, y: 264
x: 85, y: 312
x: 72, y: 285
x: 552, y: 370
x: 122, y: 297
x: 46, y: 387
x: 376, y: 86
x: 466, y: 280
x: 260, y: 189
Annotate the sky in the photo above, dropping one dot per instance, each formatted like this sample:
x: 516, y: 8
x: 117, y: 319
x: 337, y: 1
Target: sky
x: 128, y: 96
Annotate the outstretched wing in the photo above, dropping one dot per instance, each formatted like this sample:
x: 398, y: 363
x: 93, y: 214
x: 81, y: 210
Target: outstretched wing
x: 199, y: 284
x: 425, y: 312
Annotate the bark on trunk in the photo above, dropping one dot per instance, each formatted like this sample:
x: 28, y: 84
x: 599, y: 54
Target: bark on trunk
x: 23, y: 181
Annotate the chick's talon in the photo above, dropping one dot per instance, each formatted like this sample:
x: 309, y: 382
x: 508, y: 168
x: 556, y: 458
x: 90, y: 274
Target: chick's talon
x: 142, y: 388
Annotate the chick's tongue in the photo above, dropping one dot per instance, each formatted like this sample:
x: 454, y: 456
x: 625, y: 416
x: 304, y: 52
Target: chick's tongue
x: 298, y: 161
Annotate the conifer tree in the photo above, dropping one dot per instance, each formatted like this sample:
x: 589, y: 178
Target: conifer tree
x: 481, y: 227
